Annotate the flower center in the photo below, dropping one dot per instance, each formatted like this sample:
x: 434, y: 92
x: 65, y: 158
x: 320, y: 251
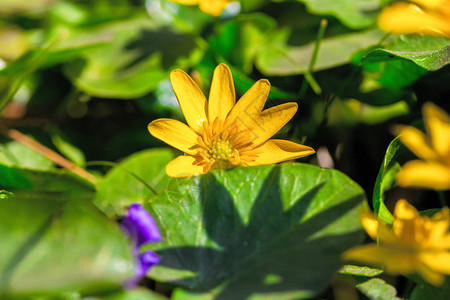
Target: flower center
x: 223, y: 146
x: 220, y: 149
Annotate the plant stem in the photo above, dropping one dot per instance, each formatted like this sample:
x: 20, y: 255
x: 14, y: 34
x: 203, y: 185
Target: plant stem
x: 50, y: 154
x: 309, y: 79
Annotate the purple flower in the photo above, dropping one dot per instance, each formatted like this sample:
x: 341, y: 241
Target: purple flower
x: 139, y: 225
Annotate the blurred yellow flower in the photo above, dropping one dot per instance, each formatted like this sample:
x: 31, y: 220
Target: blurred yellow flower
x: 221, y: 133
x: 430, y: 17
x: 414, y: 243
x: 433, y: 171
x: 212, y: 7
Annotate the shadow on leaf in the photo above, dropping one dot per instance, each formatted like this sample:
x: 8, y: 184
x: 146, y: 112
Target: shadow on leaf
x: 279, y: 249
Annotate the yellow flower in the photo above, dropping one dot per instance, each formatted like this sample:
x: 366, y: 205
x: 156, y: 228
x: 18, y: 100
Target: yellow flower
x: 433, y: 171
x: 414, y: 243
x: 212, y: 7
x: 431, y: 17
x: 221, y: 133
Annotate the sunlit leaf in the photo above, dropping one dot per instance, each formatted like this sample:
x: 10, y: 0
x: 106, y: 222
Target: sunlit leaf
x: 352, y: 13
x: 16, y: 154
x: 360, y: 271
x: 431, y: 53
x: 376, y: 288
x: 386, y: 179
x: 67, y: 149
x: 280, y: 58
x: 141, y: 55
x: 268, y: 231
x: 133, y: 180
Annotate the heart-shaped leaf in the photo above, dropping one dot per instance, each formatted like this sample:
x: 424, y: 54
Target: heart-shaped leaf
x: 262, y: 231
x: 141, y: 55
x: 355, y: 14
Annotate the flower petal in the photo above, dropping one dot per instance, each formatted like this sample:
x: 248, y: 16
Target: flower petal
x: 270, y: 121
x: 190, y: 97
x: 249, y: 107
x: 437, y: 123
x: 377, y: 230
x: 424, y: 174
x: 221, y: 96
x: 140, y: 226
x: 430, y: 3
x: 392, y: 259
x: 410, y: 18
x: 183, y: 166
x: 274, y: 151
x: 438, y: 261
x: 186, y: 2
x: 406, y: 223
x: 429, y: 275
x: 404, y: 210
x: 439, y: 237
x: 416, y: 141
x: 213, y: 7
x: 147, y: 259
x: 174, y: 133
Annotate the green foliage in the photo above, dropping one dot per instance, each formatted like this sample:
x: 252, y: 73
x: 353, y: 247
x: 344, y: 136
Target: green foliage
x: 52, y: 244
x: 430, y: 53
x: 427, y: 291
x: 50, y: 181
x: 386, y: 179
x: 355, y: 14
x: 134, y: 180
x: 279, y: 58
x: 132, y: 65
x: 272, y: 232
x: 136, y: 294
x: 16, y: 154
x: 360, y: 271
x: 269, y: 232
x: 376, y: 288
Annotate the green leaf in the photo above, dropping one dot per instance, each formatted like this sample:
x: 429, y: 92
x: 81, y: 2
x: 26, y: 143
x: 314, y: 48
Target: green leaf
x: 141, y: 55
x: 15, y: 6
x: 360, y: 271
x: 55, y: 244
x: 50, y: 181
x: 279, y: 58
x: 376, y: 288
x: 267, y: 231
x: 431, y: 53
x: 132, y: 181
x: 394, y: 74
x: 16, y: 154
x: 386, y: 179
x: 180, y: 294
x: 425, y: 291
x: 355, y: 14
x: 243, y: 83
x: 65, y: 47
x: 136, y: 294
x: 239, y: 40
x: 67, y: 149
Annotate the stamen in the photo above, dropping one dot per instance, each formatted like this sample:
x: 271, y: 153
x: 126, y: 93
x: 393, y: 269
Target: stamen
x: 222, y: 146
